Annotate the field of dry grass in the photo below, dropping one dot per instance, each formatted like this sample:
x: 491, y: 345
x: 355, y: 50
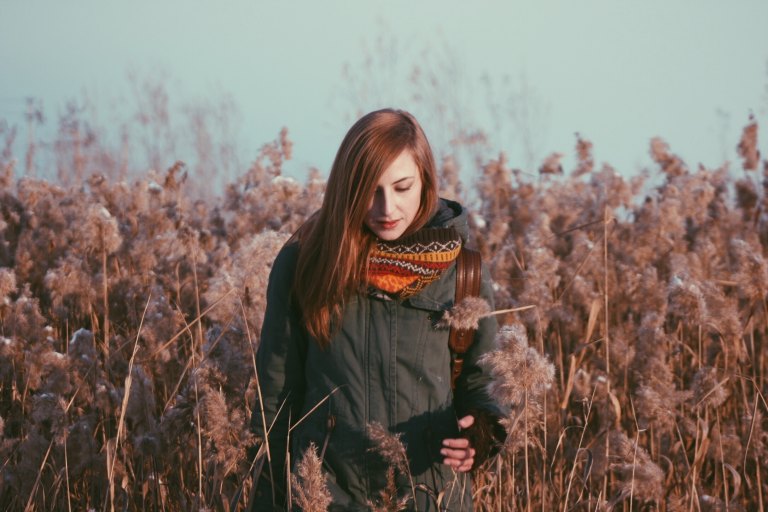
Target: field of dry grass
x: 130, y: 311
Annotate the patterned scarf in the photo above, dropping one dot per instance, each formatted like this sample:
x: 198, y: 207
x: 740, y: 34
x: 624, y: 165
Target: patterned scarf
x: 403, y: 267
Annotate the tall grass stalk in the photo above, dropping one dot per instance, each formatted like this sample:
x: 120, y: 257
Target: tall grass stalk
x: 257, y: 468
x: 66, y: 473
x: 200, y: 498
x: 681, y: 282
x: 121, y: 423
x: 540, y: 338
x: 606, y: 337
x: 105, y: 294
x: 29, y: 506
x: 578, y: 450
x: 525, y: 450
x: 722, y: 461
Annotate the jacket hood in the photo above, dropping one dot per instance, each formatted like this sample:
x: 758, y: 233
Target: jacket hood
x: 450, y: 214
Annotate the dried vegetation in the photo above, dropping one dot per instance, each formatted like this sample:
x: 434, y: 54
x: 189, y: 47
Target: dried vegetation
x: 632, y: 362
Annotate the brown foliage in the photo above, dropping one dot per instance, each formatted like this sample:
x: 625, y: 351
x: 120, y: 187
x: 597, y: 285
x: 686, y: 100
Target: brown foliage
x: 640, y: 373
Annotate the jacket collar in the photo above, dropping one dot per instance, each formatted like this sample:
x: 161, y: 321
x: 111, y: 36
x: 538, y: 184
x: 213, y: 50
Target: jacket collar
x: 438, y: 296
x: 450, y: 214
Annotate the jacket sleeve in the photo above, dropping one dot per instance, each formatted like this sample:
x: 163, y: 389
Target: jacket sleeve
x: 471, y: 395
x: 280, y: 372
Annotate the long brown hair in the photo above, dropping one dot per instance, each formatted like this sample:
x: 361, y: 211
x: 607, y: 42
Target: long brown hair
x: 334, y: 244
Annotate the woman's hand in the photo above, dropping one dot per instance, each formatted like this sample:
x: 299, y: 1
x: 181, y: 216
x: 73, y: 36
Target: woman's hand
x: 457, y: 452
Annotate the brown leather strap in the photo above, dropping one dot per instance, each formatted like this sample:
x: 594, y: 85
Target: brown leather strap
x: 467, y: 285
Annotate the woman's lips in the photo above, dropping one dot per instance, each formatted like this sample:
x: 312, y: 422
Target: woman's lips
x: 387, y: 224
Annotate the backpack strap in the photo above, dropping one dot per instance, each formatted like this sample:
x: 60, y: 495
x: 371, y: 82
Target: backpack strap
x: 467, y: 285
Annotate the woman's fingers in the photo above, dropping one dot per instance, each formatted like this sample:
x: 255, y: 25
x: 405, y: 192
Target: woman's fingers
x: 466, y: 422
x: 457, y: 452
x: 460, y: 454
x: 456, y: 443
x: 466, y: 466
x: 459, y: 464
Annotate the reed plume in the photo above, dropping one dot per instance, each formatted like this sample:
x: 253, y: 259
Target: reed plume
x: 516, y: 369
x: 747, y: 147
x: 308, y: 484
x: 638, y: 476
x: 389, y: 446
x: 685, y: 265
x: 466, y: 314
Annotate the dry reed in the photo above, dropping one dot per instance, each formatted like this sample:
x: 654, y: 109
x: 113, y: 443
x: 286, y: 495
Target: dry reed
x: 672, y: 415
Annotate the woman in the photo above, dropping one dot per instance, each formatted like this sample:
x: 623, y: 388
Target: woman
x: 350, y: 335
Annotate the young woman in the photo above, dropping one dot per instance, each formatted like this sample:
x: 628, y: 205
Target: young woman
x: 351, y: 337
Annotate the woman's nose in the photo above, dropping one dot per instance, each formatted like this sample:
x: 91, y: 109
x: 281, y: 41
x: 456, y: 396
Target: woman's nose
x: 390, y: 204
x: 386, y: 204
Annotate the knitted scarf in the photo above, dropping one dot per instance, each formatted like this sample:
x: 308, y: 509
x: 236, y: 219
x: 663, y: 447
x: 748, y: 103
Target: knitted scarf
x: 403, y: 267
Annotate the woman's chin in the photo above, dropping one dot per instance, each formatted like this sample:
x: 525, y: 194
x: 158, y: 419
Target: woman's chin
x: 387, y: 236
x: 386, y: 233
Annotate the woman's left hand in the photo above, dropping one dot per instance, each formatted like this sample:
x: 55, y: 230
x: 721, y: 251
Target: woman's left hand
x: 458, y: 453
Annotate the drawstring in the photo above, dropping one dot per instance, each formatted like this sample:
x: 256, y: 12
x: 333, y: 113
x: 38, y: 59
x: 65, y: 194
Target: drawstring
x: 330, y: 423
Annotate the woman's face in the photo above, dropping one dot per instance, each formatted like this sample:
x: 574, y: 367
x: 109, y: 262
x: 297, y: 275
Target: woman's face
x: 397, y: 198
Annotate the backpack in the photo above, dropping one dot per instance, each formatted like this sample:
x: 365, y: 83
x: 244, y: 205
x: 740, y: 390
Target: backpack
x: 468, y: 272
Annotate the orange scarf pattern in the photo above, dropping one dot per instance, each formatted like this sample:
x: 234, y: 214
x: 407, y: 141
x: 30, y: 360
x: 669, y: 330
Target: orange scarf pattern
x: 403, y: 267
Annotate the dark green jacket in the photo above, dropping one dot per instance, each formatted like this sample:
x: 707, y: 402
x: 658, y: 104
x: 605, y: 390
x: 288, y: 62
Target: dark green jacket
x: 388, y: 363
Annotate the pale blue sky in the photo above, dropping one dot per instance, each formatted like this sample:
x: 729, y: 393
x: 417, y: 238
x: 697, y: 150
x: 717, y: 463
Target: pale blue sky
x: 619, y: 72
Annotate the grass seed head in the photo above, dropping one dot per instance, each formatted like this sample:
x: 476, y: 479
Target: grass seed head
x: 389, y: 446
x: 515, y: 368
x: 708, y: 390
x: 308, y: 484
x: 748, y: 146
x: 7, y: 285
x: 466, y: 314
x: 388, y: 497
x: 636, y: 473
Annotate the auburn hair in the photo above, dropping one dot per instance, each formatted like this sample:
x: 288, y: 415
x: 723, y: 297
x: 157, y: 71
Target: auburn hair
x: 334, y: 243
